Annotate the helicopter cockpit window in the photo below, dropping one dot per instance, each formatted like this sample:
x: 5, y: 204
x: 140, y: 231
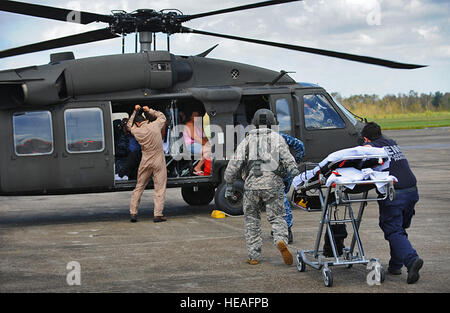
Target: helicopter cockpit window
x: 283, y: 116
x: 320, y: 114
x: 84, y: 130
x: 33, y: 133
x: 344, y: 110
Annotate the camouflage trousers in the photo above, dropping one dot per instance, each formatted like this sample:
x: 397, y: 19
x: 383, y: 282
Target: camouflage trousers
x: 254, y: 202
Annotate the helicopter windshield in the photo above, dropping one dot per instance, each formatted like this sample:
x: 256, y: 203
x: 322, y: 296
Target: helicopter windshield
x: 320, y: 114
x: 347, y: 113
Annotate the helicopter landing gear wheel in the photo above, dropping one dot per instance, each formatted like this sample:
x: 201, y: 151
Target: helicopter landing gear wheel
x: 200, y: 195
x: 230, y: 206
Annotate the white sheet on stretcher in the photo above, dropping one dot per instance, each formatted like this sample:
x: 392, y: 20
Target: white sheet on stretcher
x: 341, y: 155
x: 350, y: 174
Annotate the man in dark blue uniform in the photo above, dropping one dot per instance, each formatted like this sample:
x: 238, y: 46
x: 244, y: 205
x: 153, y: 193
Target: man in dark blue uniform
x: 299, y: 152
x: 395, y: 216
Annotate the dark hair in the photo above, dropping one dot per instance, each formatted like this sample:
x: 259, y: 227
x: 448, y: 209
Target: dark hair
x: 138, y: 117
x: 371, y: 131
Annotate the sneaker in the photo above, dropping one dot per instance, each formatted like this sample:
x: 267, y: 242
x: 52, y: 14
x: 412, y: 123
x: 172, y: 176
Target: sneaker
x: 125, y: 177
x: 287, y: 256
x: 158, y: 219
x: 394, y: 271
x: 252, y: 261
x: 413, y: 271
x: 133, y: 218
x: 290, y: 236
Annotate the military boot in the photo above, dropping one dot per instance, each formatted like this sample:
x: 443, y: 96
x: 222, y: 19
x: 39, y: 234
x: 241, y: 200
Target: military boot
x: 287, y: 256
x: 252, y: 261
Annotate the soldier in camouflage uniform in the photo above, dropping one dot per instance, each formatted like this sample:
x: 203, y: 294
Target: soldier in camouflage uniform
x: 263, y: 158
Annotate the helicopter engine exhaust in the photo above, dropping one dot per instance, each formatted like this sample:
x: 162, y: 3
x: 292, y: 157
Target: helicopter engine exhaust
x: 11, y: 95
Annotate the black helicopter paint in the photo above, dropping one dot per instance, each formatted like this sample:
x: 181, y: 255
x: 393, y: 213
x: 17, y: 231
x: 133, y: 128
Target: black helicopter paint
x: 57, y: 119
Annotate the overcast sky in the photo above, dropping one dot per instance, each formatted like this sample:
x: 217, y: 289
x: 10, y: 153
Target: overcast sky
x: 409, y: 31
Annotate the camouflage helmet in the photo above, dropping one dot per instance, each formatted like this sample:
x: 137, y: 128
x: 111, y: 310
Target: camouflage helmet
x: 264, y: 117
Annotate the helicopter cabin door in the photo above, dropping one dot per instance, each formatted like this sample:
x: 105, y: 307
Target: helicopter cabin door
x: 86, y: 150
x: 27, y: 155
x: 57, y: 148
x: 324, y: 128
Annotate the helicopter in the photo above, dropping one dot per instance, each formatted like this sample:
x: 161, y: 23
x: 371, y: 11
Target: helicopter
x: 60, y: 120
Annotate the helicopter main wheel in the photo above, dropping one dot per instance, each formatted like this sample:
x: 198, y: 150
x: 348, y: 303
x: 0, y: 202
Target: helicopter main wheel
x: 199, y: 195
x: 232, y: 207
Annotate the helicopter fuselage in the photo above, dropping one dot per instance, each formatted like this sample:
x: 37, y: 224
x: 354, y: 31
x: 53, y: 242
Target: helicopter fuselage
x: 60, y: 119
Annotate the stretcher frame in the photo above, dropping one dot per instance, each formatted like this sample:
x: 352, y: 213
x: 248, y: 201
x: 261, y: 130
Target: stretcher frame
x: 315, y: 257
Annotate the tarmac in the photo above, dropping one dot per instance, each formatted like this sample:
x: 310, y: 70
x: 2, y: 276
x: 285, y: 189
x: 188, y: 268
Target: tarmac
x: 194, y: 253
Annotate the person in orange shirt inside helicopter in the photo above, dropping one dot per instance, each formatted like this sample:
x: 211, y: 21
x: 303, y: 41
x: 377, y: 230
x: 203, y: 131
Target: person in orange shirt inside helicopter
x: 197, y: 143
x: 148, y: 135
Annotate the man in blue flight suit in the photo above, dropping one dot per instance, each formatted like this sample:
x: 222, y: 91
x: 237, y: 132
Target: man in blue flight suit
x: 299, y: 152
x: 395, y: 216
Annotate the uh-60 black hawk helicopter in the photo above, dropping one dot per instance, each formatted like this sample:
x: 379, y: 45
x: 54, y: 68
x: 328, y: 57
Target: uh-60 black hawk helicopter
x: 58, y: 120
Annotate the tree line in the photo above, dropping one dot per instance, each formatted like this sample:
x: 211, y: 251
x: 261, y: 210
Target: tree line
x: 413, y: 102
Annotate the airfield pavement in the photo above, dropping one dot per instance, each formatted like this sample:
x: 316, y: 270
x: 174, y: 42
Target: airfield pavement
x: 195, y: 253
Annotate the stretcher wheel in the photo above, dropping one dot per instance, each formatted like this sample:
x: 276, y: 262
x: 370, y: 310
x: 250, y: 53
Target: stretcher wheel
x: 391, y: 193
x: 327, y: 277
x: 300, y: 263
x: 382, y: 275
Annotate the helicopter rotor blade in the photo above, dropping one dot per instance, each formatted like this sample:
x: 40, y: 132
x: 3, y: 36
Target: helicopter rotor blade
x: 91, y: 36
x: 335, y: 54
x: 234, y: 9
x: 53, y: 13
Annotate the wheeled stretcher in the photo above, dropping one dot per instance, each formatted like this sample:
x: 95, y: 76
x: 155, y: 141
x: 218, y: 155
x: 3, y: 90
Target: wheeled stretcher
x: 338, y: 182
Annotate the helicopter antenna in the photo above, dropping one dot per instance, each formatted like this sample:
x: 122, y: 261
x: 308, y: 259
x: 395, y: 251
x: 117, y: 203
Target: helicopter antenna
x: 282, y: 73
x: 205, y: 53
